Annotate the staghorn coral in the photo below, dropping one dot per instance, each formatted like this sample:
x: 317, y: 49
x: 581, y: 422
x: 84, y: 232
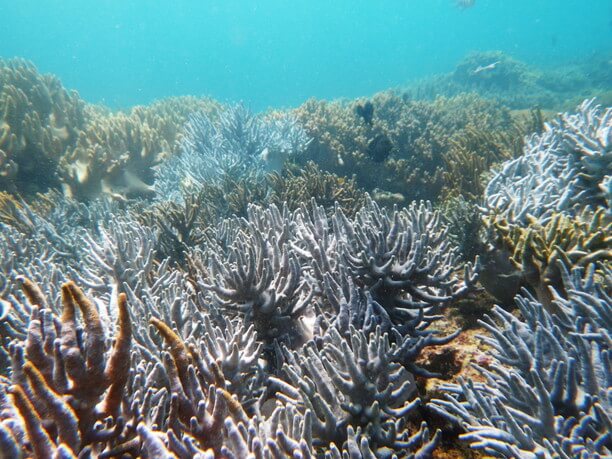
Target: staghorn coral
x: 114, y: 155
x: 472, y: 153
x: 71, y: 395
x: 39, y: 120
x: 403, y: 257
x: 562, y: 169
x: 64, y: 382
x: 168, y: 116
x: 464, y: 221
x: 260, y: 278
x: 549, y: 201
x: 204, y: 418
x: 231, y: 196
x: 354, y: 383
x: 238, y: 144
x: 419, y: 133
x: 537, y: 248
x: 297, y: 187
x: 180, y: 226
x: 547, y: 392
x: 203, y: 360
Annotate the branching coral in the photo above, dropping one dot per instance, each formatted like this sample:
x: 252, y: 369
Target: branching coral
x: 419, y: 133
x: 537, y: 249
x: 403, y: 257
x: 562, y: 170
x: 297, y: 187
x: 238, y: 144
x: 39, y: 119
x: 65, y: 381
x: 70, y: 394
x: 550, y: 203
x: 354, y: 383
x: 259, y: 278
x: 168, y: 116
x: 114, y: 155
x: 548, y: 392
x: 472, y: 153
x: 180, y: 225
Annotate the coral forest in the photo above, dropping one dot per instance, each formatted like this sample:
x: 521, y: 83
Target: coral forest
x: 423, y: 273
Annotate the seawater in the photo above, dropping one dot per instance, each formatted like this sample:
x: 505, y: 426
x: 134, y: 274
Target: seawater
x: 281, y: 52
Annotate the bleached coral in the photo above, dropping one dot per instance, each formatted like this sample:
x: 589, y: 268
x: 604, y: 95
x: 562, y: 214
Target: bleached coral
x: 547, y: 394
x: 239, y: 143
x: 354, y: 383
x: 404, y: 258
x: 562, y: 170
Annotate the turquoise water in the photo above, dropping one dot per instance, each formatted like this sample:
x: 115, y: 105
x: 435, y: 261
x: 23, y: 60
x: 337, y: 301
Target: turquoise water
x: 281, y: 52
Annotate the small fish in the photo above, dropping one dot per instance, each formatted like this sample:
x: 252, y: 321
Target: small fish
x: 273, y: 160
x: 485, y: 68
x: 366, y: 111
x: 465, y: 4
x: 379, y: 148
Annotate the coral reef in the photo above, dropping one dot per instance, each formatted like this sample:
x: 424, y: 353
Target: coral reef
x: 563, y: 169
x: 39, y: 120
x: 239, y: 144
x: 550, y: 204
x: 547, y: 393
x: 537, y: 249
x: 203, y: 281
x: 351, y: 384
x: 421, y: 135
x: 497, y: 75
x: 114, y: 155
x: 231, y: 328
x: 295, y: 187
x: 50, y: 138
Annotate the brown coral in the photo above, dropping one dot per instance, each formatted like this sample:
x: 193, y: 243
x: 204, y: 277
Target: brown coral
x: 62, y: 387
x: 114, y: 155
x: 296, y: 187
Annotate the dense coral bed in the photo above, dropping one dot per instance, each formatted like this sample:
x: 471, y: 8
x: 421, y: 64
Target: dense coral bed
x: 377, y: 278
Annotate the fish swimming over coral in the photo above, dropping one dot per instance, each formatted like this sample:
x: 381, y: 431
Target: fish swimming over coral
x: 405, y: 273
x: 379, y: 148
x: 365, y: 111
x: 486, y: 68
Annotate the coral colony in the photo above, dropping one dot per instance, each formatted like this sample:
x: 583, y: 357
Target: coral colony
x: 193, y: 280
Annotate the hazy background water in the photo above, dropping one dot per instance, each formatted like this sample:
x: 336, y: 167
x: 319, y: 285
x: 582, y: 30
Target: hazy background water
x: 280, y: 52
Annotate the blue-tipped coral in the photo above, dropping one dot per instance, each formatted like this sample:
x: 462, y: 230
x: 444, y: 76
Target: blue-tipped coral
x: 548, y: 392
x: 563, y: 169
x: 404, y: 259
x: 355, y: 384
x: 239, y: 143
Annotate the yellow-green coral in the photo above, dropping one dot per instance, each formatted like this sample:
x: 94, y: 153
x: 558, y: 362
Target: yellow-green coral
x: 168, y: 116
x: 420, y: 133
x: 39, y: 119
x: 113, y: 155
x: 537, y: 249
x: 296, y: 187
x: 472, y: 153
